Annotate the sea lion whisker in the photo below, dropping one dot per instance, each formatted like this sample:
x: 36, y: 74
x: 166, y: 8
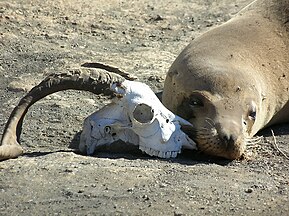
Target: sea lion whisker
x: 258, y: 138
x: 203, y: 133
x: 207, y: 137
x: 207, y: 131
x: 253, y: 142
x: 210, y: 122
x: 204, y: 129
x: 252, y: 146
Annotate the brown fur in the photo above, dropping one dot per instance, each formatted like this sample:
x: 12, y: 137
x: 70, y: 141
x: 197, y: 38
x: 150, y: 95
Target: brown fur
x: 221, y: 79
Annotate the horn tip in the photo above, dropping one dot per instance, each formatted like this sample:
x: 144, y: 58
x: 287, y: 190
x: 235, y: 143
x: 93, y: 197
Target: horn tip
x: 11, y: 150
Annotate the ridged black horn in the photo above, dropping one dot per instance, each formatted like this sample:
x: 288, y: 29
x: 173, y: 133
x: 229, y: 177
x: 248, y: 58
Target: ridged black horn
x: 95, y: 81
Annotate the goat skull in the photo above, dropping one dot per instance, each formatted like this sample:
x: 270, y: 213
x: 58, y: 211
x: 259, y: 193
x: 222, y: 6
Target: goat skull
x: 135, y: 116
x: 138, y: 117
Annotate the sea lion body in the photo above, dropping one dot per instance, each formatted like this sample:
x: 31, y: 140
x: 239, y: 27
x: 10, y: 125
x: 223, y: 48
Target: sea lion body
x: 234, y: 79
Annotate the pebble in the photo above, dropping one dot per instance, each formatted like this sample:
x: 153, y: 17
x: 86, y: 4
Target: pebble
x: 19, y: 87
x: 163, y: 185
x: 249, y: 190
x: 130, y: 190
x: 89, y: 101
x: 156, y: 78
x: 145, y: 197
x: 178, y: 213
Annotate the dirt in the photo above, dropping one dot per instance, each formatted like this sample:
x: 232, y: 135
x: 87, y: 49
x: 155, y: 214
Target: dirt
x: 143, y: 38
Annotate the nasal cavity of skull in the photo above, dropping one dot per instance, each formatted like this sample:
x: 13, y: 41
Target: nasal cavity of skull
x: 107, y: 129
x: 143, y: 113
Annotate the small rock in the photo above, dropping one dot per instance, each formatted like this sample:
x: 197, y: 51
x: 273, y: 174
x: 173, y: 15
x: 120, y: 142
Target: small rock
x: 145, y: 197
x: 158, y: 18
x: 249, y: 190
x: 156, y: 78
x: 89, y: 101
x: 19, y: 87
x: 178, y: 213
x: 130, y: 190
x: 163, y: 185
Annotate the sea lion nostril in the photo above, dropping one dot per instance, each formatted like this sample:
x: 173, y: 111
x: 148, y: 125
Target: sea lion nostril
x: 228, y: 139
x: 225, y: 138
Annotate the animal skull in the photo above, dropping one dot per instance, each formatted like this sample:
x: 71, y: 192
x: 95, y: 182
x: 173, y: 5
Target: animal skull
x: 136, y: 116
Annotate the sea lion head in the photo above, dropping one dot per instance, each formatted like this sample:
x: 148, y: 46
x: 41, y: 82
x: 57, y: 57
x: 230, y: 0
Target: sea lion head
x: 220, y: 100
x: 224, y: 81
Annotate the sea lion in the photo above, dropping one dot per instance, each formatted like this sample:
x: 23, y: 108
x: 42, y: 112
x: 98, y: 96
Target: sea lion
x: 233, y: 80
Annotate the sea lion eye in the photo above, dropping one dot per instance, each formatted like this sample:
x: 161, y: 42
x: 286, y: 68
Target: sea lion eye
x: 196, y: 102
x: 252, y: 115
x: 252, y: 112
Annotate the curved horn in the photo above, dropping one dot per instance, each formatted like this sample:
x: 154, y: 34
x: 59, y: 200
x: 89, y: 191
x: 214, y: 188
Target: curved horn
x: 108, y: 68
x: 97, y: 82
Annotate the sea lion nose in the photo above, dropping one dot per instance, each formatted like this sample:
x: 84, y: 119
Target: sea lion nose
x: 228, y: 140
x: 228, y: 131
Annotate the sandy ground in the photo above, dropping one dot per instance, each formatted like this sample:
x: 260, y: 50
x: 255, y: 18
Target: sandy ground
x: 143, y: 38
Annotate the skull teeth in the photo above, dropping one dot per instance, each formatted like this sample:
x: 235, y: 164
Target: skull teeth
x: 161, y: 154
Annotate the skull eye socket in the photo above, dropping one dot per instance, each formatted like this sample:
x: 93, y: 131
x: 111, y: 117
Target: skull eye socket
x: 143, y: 113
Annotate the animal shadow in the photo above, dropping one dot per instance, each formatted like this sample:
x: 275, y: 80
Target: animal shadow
x: 280, y: 129
x: 121, y: 149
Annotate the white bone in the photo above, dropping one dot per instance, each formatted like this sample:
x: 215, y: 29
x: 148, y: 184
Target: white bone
x: 106, y: 126
x: 136, y: 116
